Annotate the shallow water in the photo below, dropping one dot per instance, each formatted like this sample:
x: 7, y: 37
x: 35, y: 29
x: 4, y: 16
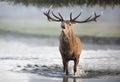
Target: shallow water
x: 23, y: 55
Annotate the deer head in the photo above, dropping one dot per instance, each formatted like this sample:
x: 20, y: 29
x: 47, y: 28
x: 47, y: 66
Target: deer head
x: 67, y: 25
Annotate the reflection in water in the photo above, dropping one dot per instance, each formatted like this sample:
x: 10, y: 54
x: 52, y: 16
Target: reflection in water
x: 67, y: 79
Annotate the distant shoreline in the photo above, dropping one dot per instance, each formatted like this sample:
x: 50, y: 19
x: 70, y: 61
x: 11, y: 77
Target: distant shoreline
x: 84, y: 39
x: 100, y: 40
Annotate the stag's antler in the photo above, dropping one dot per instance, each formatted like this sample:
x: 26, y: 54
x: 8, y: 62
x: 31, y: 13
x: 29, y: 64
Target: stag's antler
x: 58, y: 19
x: 89, y: 19
x: 72, y: 20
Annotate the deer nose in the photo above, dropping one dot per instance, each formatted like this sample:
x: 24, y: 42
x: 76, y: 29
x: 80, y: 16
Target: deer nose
x: 63, y: 27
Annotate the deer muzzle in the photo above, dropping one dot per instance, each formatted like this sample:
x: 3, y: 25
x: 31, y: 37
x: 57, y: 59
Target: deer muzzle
x: 62, y: 25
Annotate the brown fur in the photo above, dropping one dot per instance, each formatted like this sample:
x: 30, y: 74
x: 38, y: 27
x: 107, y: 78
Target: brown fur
x: 70, y: 47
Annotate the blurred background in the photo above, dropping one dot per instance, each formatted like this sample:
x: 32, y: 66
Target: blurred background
x: 23, y: 20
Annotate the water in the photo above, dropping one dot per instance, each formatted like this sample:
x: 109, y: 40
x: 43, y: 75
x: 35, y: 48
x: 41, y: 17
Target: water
x: 27, y: 56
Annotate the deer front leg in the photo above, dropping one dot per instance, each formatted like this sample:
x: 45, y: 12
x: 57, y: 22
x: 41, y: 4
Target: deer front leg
x: 66, y: 67
x: 63, y: 65
x: 76, y: 61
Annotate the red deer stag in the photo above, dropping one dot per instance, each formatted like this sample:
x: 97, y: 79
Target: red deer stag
x: 70, y: 46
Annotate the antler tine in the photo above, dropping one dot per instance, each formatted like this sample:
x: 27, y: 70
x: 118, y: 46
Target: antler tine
x: 60, y: 16
x: 55, y: 16
x: 76, y: 16
x: 88, y: 19
x: 96, y: 16
x: 71, y: 16
x: 47, y: 14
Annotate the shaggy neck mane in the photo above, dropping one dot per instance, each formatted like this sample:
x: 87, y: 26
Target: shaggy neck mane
x: 68, y: 41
